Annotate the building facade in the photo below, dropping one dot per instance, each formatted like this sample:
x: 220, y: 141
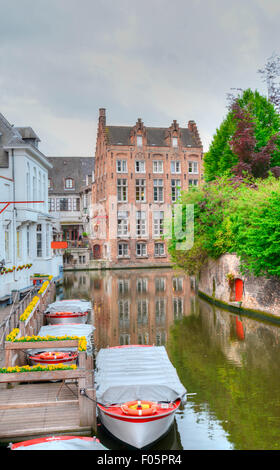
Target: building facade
x: 25, y: 224
x: 67, y: 182
x: 139, y: 173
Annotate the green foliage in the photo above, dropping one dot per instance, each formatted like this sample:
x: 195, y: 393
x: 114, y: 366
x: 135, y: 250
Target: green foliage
x: 220, y: 158
x: 240, y: 218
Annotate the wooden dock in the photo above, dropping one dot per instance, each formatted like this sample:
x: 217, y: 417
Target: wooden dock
x: 48, y: 408
x: 43, y: 403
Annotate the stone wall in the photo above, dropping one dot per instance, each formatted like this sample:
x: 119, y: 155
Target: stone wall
x: 259, y: 293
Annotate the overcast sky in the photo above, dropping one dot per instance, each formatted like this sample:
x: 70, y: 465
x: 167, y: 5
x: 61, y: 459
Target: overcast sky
x: 61, y: 60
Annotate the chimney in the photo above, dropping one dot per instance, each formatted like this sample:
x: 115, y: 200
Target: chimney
x: 102, y: 117
x: 193, y: 129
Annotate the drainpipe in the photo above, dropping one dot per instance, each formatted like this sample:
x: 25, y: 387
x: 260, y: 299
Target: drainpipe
x: 14, y: 213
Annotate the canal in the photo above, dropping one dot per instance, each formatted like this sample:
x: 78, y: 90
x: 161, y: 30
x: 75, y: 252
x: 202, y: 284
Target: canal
x: 230, y: 363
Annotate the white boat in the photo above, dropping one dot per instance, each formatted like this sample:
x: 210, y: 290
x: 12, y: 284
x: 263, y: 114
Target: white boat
x: 59, y: 443
x: 138, y: 392
x: 68, y: 311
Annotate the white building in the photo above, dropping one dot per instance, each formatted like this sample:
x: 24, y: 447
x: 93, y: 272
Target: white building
x: 25, y: 225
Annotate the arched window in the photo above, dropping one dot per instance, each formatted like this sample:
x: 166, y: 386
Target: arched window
x: 69, y: 183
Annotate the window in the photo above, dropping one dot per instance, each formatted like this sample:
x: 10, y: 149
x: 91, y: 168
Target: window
x: 158, y: 190
x: 175, y: 166
x: 69, y: 183
x: 177, y: 307
x: 159, y: 249
x: 123, y: 286
x: 141, y: 228
x: 140, y: 190
x: 123, y: 313
x: 193, y: 167
x: 193, y: 182
x: 139, y: 141
x: 51, y: 204
x: 157, y: 166
x: 39, y: 241
x: 28, y: 240
x: 76, y: 204
x: 160, y: 284
x: 121, y: 166
x: 175, y: 190
x: 160, y: 311
x: 7, y: 244
x: 122, y: 223
x: 122, y: 250
x: 19, y: 252
x: 122, y: 190
x: 158, y: 223
x: 174, y: 141
x: 177, y: 284
x: 142, y: 311
x: 63, y: 204
x: 28, y: 182
x: 48, y: 240
x: 140, y: 166
x: 141, y: 249
x: 142, y: 285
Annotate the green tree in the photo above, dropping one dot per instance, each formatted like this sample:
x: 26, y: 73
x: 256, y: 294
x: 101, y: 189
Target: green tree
x: 220, y: 158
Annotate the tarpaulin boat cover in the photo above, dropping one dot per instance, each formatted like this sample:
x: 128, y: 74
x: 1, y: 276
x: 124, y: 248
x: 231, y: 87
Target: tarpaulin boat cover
x: 75, y: 305
x: 70, y: 444
x: 136, y: 373
x: 79, y: 329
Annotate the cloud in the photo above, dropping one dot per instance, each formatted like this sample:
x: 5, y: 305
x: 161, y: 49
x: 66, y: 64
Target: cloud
x: 61, y: 60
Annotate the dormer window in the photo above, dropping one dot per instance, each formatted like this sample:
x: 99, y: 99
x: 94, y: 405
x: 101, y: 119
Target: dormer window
x: 175, y: 142
x: 139, y: 141
x: 69, y: 183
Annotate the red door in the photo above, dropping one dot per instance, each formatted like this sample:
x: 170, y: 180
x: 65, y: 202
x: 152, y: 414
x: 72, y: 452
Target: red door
x: 238, y: 290
x: 96, y: 251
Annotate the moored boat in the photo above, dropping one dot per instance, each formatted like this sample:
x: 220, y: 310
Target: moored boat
x: 138, y: 392
x: 59, y: 443
x: 53, y: 357
x: 68, y: 311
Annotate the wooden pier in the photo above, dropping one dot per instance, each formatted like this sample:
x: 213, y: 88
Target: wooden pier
x: 49, y: 402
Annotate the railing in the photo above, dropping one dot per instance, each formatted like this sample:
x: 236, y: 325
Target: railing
x: 12, y: 320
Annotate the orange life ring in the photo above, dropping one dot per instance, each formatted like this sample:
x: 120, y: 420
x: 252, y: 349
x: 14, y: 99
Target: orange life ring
x: 52, y: 355
x: 139, y: 408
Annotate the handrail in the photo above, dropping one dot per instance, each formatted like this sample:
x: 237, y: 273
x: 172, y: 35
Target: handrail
x: 12, y: 320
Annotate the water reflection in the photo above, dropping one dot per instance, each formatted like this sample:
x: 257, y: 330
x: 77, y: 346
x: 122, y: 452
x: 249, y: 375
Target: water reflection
x: 229, y: 361
x: 133, y: 307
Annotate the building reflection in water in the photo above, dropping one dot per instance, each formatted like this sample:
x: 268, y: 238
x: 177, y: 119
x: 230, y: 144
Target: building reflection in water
x: 133, y: 306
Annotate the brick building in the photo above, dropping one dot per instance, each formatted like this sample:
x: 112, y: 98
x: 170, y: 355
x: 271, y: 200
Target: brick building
x: 139, y: 173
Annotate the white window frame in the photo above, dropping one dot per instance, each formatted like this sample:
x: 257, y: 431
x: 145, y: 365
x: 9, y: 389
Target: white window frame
x: 67, y: 183
x: 121, y: 166
x: 175, y: 189
x: 193, y: 168
x: 122, y: 253
x: 192, y: 181
x: 158, y: 223
x: 175, y: 142
x: 122, y: 223
x: 175, y: 167
x: 158, y: 166
x: 157, y: 245
x: 158, y: 190
x: 141, y: 224
x: 141, y: 249
x: 141, y: 166
x: 139, y: 140
x: 122, y: 189
x: 140, y: 190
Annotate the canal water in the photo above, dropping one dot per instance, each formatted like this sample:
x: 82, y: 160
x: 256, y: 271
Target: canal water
x: 230, y: 363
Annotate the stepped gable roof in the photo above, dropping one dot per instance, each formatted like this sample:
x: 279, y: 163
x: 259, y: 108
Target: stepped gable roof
x: 69, y: 167
x: 120, y: 135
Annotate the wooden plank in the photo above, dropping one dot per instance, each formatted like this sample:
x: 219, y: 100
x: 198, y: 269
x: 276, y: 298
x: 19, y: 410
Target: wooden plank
x: 39, y: 431
x: 42, y: 375
x: 9, y: 345
x: 45, y: 404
